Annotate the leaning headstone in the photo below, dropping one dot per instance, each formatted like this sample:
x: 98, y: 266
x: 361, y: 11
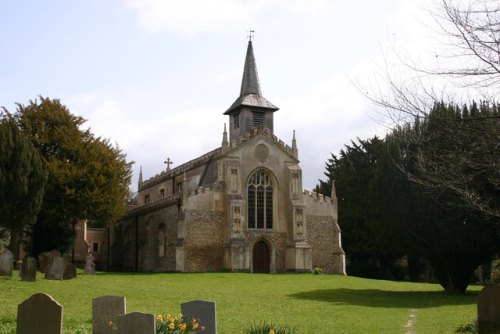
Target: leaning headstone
x: 136, y: 322
x: 39, y: 314
x: 488, y: 310
x: 69, y: 271
x: 28, y: 269
x: 203, y: 311
x: 89, y: 264
x: 105, y: 311
x: 6, y: 263
x: 55, y: 269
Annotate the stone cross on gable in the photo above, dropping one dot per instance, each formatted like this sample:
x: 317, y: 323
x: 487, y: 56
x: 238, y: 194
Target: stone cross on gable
x: 168, y: 162
x: 251, y: 32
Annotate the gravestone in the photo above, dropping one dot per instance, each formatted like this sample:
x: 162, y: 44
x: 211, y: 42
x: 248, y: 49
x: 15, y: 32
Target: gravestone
x: 136, y: 322
x: 488, y: 310
x: 69, y: 271
x: 44, y: 259
x: 39, y: 314
x: 55, y: 268
x: 203, y: 311
x: 6, y: 263
x: 28, y: 269
x: 106, y: 309
x: 89, y: 264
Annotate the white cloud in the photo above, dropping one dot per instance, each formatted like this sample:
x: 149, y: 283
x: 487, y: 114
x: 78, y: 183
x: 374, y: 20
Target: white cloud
x: 190, y: 17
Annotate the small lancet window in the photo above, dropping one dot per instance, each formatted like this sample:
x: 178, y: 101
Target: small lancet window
x: 260, y: 200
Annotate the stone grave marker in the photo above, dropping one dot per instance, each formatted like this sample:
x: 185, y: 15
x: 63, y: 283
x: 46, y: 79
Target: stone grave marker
x: 106, y: 309
x: 89, y: 264
x: 136, y: 322
x: 203, y: 311
x: 28, y: 269
x: 69, y: 271
x: 55, y: 268
x: 6, y: 263
x: 43, y: 260
x: 39, y: 314
x: 45, y: 257
x: 488, y: 310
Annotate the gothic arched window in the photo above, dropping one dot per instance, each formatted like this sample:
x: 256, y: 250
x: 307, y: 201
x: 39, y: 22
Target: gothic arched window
x: 260, y: 200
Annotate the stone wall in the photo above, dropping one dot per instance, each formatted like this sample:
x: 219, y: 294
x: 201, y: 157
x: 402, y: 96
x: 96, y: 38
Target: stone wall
x: 203, y: 245
x: 135, y: 242
x: 321, y: 237
x: 323, y: 233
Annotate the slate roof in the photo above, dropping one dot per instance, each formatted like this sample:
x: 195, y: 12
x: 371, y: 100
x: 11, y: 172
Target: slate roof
x: 250, y: 93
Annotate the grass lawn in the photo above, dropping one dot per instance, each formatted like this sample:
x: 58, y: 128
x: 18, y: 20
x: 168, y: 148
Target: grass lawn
x: 311, y: 303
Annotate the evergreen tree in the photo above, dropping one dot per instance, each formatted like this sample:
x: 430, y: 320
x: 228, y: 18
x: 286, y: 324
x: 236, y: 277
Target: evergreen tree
x: 23, y: 175
x: 88, y: 177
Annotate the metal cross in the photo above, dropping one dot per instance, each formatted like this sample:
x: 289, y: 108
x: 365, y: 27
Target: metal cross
x: 168, y: 162
x: 251, y: 32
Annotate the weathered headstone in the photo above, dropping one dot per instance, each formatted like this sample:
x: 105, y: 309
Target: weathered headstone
x: 136, y: 322
x: 89, y: 264
x: 69, y: 271
x: 28, y: 269
x: 43, y: 261
x: 203, y: 311
x: 106, y: 309
x: 55, y: 269
x: 6, y: 263
x: 39, y: 314
x: 488, y: 310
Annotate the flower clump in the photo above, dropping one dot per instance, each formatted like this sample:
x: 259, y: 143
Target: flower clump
x: 168, y: 324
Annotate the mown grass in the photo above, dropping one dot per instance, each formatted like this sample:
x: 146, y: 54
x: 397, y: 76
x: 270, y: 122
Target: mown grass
x: 311, y: 303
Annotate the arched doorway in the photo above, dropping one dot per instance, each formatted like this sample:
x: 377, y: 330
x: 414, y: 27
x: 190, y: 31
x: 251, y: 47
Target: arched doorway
x: 261, y: 257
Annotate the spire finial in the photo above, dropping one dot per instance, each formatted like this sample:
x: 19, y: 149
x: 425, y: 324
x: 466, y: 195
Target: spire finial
x: 294, y: 145
x: 225, y: 142
x: 140, y: 178
x: 251, y: 32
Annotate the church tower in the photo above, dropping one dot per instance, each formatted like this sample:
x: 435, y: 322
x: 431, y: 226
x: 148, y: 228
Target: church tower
x: 251, y: 109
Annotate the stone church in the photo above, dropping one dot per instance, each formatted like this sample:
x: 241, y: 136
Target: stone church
x: 237, y: 208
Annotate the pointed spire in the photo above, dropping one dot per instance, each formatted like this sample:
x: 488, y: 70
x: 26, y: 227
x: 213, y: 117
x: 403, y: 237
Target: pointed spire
x: 140, y: 177
x: 225, y: 142
x: 250, y: 81
x: 250, y: 92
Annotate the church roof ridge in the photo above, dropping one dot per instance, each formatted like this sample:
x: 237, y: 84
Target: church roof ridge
x: 181, y: 168
x: 250, y: 92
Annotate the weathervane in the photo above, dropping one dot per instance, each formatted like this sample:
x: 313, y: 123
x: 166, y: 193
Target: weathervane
x: 168, y: 162
x: 251, y: 32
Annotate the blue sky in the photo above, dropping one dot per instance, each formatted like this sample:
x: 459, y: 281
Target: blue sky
x: 155, y: 76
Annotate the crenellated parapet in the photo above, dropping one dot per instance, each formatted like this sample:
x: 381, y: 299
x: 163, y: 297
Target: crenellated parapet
x: 319, y: 205
x: 317, y: 197
x: 165, y: 175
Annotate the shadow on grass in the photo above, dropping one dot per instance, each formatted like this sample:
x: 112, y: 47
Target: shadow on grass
x: 387, y: 299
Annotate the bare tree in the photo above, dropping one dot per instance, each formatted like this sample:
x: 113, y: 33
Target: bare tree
x: 473, y: 142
